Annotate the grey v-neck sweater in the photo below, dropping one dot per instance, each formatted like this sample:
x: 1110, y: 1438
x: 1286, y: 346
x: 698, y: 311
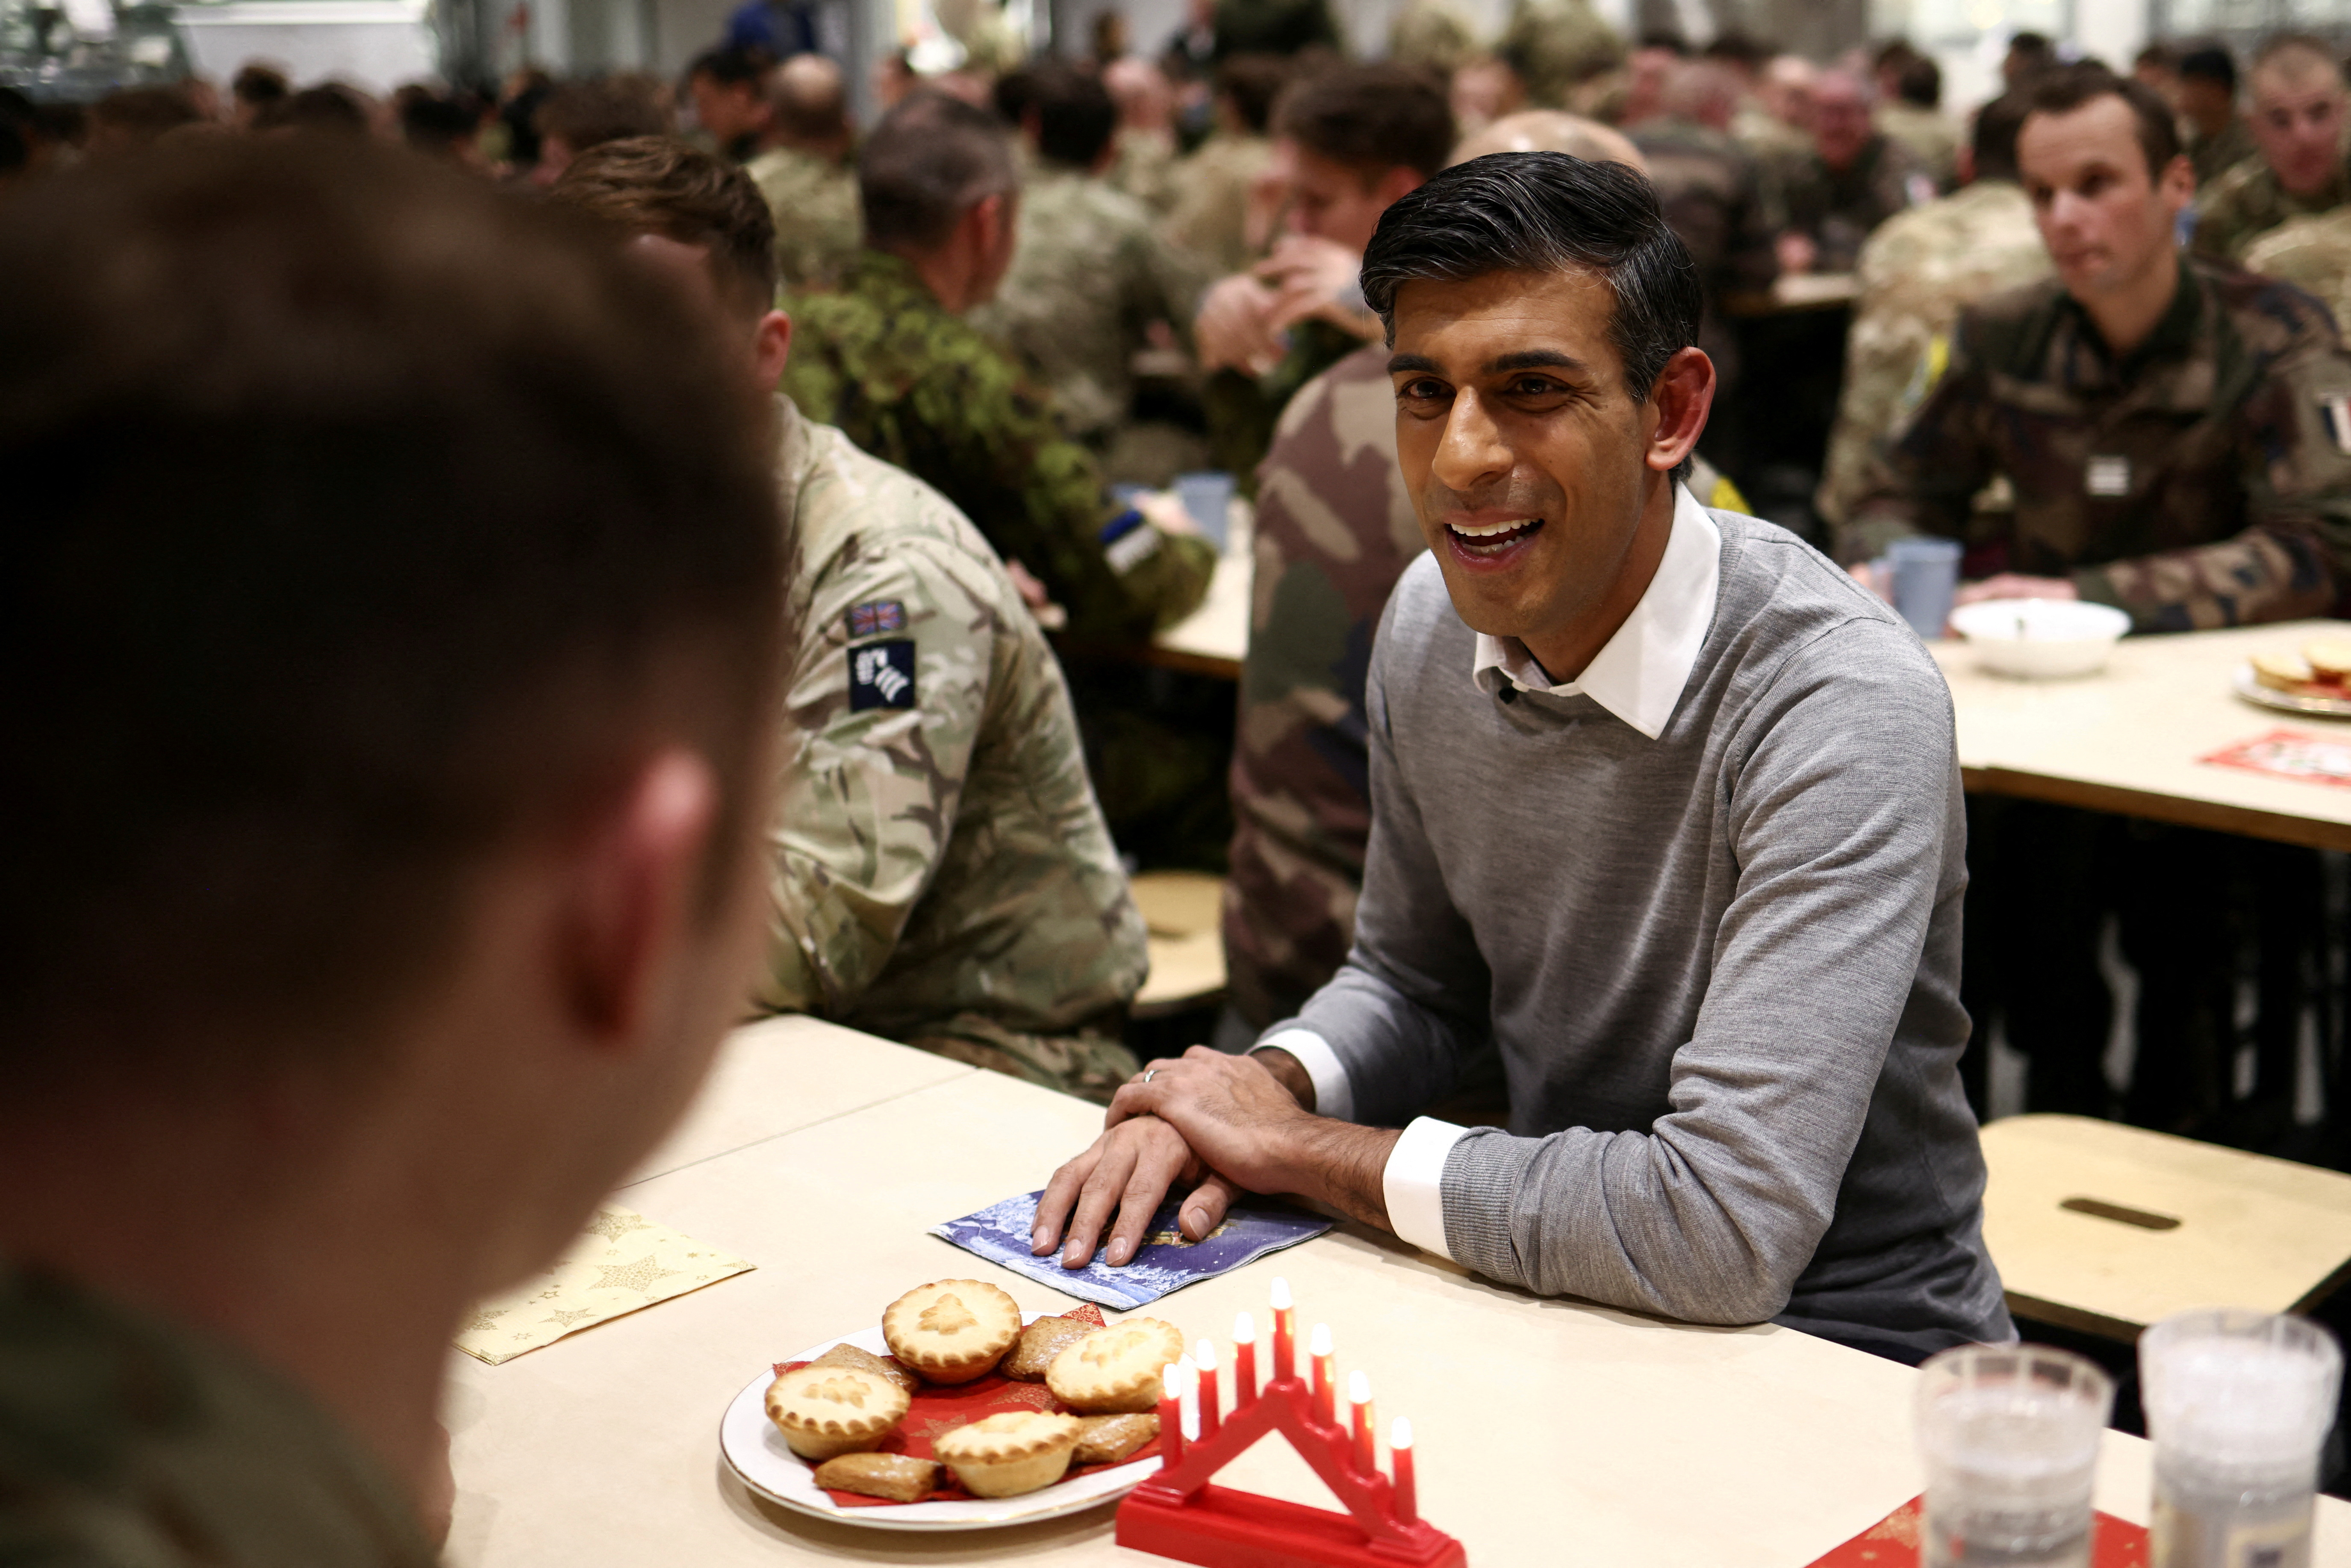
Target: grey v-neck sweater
x: 1721, y: 968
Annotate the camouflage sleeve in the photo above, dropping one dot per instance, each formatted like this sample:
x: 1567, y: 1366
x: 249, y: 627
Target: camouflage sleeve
x: 886, y: 695
x: 1925, y: 481
x: 2296, y: 448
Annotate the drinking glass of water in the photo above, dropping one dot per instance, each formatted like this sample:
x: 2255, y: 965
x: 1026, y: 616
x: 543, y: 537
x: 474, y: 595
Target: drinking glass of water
x: 2009, y: 1436
x: 2238, y: 1404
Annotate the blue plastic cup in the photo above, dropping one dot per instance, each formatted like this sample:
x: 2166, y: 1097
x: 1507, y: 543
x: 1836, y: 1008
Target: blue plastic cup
x: 1208, y: 497
x: 1926, y: 578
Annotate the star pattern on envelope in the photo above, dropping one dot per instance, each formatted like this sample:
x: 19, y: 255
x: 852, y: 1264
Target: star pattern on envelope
x: 568, y: 1319
x: 611, y: 1224
x: 483, y: 1318
x: 638, y: 1276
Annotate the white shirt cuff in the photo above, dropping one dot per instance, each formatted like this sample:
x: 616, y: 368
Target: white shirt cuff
x: 1414, y: 1181
x: 1333, y: 1096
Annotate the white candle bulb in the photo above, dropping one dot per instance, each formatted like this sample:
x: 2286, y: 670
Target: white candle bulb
x: 1319, y: 1342
x: 1400, y: 1433
x: 1244, y: 1329
x: 1281, y: 1294
x: 1359, y: 1388
x: 1171, y: 1380
x: 1204, y: 1354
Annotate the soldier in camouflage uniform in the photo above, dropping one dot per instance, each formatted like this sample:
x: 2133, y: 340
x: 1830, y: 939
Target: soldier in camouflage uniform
x: 1143, y: 149
x: 1432, y: 35
x: 1710, y: 191
x: 1851, y: 180
x: 1916, y: 272
x: 1214, y: 185
x: 1557, y: 47
x: 2299, y: 121
x: 811, y: 189
x: 2311, y: 254
x: 2217, y: 140
x: 892, y: 365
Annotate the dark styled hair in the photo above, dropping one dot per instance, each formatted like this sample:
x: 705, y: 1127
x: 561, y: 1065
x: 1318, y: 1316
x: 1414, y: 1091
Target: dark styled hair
x: 1920, y: 82
x: 1370, y: 117
x: 256, y: 84
x: 373, y: 521
x: 662, y: 185
x: 1075, y: 116
x: 2210, y: 62
x: 2062, y: 89
x: 732, y: 65
x: 924, y: 167
x: 1993, y: 142
x: 1546, y: 212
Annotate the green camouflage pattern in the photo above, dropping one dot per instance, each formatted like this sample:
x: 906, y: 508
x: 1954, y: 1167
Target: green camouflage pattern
x: 1212, y: 191
x: 2205, y: 482
x: 2311, y: 254
x: 1143, y: 165
x: 1432, y: 34
x: 1931, y: 137
x: 126, y: 1442
x: 1090, y: 273
x: 1916, y: 272
x: 1839, y: 209
x: 817, y: 226
x: 942, y: 871
x: 1243, y: 410
x: 2214, y: 156
x: 2247, y: 201
x: 1556, y: 47
x: 923, y: 391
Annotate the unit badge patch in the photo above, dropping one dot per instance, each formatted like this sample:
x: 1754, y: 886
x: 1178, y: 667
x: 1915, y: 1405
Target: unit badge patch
x: 881, y: 675
x: 871, y: 620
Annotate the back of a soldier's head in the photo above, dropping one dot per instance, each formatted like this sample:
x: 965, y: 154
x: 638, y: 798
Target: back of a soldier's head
x: 1993, y: 142
x: 810, y: 102
x: 369, y: 534
x: 1250, y: 84
x: 664, y: 187
x: 1070, y: 115
x: 931, y: 161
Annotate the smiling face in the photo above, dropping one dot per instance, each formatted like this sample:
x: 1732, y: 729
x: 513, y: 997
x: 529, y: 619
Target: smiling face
x: 2106, y: 220
x: 1537, y: 476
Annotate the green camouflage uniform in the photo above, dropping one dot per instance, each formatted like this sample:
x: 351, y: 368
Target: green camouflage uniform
x: 2204, y: 482
x: 1557, y: 46
x: 1917, y: 273
x: 818, y: 224
x: 1335, y: 529
x: 1143, y: 165
x: 1212, y: 192
x: 1434, y: 34
x: 2311, y: 254
x: 943, y: 874
x: 1838, y: 209
x: 2214, y: 156
x: 920, y: 389
x: 2248, y: 201
x: 1089, y: 275
x: 1243, y: 410
x: 126, y: 1442
x: 1932, y: 137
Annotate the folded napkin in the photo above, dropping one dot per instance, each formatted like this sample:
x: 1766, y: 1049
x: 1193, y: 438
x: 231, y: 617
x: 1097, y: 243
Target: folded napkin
x: 624, y: 1262
x: 1164, y: 1261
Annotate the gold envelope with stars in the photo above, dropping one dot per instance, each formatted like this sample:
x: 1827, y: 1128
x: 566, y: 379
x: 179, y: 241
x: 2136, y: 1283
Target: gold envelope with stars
x: 624, y: 1261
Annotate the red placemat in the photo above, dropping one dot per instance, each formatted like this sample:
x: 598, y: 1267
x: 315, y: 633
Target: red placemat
x: 938, y: 1410
x: 1892, y: 1542
x: 2290, y: 754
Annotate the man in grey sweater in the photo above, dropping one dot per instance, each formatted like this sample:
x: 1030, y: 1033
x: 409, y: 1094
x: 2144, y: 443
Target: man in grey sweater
x: 1665, y: 807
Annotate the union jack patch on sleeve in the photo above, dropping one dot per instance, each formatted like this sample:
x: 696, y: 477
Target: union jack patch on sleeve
x: 2335, y: 412
x: 871, y: 620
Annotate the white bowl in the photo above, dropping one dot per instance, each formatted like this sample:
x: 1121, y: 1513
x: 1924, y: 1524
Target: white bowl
x: 2041, y: 639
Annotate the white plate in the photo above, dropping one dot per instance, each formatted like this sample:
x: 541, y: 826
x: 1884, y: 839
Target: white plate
x: 2253, y: 692
x: 756, y: 1452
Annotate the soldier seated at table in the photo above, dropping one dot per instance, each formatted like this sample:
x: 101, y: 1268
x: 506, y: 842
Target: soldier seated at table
x: 942, y: 875
x: 1665, y: 810
x: 2298, y: 121
x: 389, y: 873
x: 890, y: 360
x: 1827, y: 198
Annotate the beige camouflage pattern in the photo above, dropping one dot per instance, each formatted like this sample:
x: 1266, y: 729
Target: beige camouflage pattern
x: 128, y: 1442
x: 1090, y: 273
x: 1212, y: 196
x: 818, y: 226
x: 2206, y: 481
x: 942, y: 872
x: 2214, y: 156
x: 1931, y: 137
x: 1434, y: 34
x: 2247, y: 201
x: 1143, y: 165
x: 1916, y: 272
x: 1557, y: 47
x: 2311, y: 254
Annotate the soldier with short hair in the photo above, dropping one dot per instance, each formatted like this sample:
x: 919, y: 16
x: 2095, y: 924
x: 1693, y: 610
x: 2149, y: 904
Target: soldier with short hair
x: 2207, y: 95
x: 942, y: 875
x: 805, y: 175
x: 2298, y: 123
x: 1852, y: 178
x: 1557, y: 47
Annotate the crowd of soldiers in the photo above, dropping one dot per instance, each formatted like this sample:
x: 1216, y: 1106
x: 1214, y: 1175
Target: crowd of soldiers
x: 1001, y: 319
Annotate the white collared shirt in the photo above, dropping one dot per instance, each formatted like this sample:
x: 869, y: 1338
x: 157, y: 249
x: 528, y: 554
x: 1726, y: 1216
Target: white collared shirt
x: 1638, y: 677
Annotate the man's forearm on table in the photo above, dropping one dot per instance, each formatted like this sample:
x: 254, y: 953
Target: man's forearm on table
x: 1331, y: 1162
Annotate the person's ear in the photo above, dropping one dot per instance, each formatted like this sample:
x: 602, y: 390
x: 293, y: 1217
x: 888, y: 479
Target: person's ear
x: 631, y: 897
x: 771, y: 348
x: 1683, y: 396
x: 2178, y: 186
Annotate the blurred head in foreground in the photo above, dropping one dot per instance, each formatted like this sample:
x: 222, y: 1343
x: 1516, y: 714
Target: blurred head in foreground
x: 390, y: 600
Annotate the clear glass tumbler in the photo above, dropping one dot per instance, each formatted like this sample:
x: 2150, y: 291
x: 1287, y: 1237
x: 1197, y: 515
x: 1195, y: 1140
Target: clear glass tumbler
x: 2238, y: 1403
x: 2010, y: 1435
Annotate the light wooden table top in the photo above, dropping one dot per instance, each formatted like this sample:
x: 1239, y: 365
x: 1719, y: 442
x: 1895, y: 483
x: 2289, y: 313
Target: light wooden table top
x: 2127, y: 740
x: 1549, y: 1431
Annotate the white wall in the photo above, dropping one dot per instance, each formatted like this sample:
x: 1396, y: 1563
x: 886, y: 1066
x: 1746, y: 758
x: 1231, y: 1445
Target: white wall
x: 375, y: 44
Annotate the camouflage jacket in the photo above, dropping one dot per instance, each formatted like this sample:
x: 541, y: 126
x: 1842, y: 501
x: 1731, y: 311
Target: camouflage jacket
x: 2311, y: 254
x: 126, y: 1442
x: 1711, y: 190
x: 2204, y: 481
x: 936, y: 846
x: 2214, y: 156
x: 1434, y: 34
x: 1839, y: 208
x: 1916, y: 272
x: 1089, y: 275
x: 1212, y: 194
x: 2248, y: 201
x: 818, y: 224
x: 1556, y: 46
x: 1143, y: 165
x: 922, y: 389
x: 1932, y: 137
